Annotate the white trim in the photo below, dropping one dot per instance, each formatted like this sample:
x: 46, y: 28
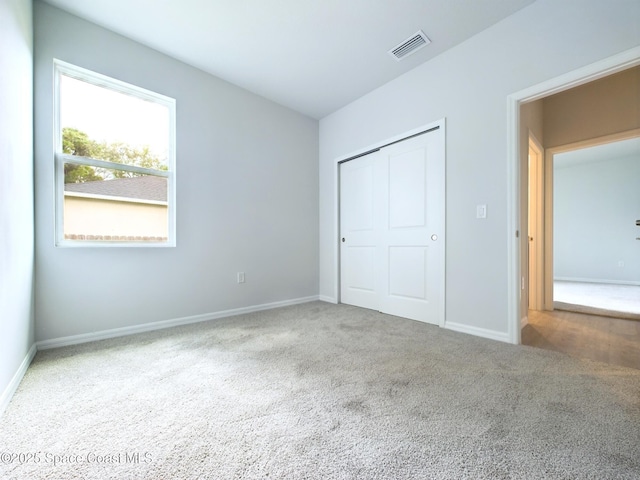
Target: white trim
x: 115, y: 244
x: 594, y: 71
x: 603, y: 68
x: 328, y: 299
x: 595, y: 141
x: 8, y: 393
x: 478, y: 332
x: 149, y: 327
x: 111, y: 198
x: 336, y: 240
x: 94, y: 78
x: 94, y: 162
x: 98, y: 79
x: 597, y: 280
x: 513, y: 220
x: 538, y: 222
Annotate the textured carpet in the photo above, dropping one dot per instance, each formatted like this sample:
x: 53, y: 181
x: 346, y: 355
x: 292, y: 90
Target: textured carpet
x: 319, y: 391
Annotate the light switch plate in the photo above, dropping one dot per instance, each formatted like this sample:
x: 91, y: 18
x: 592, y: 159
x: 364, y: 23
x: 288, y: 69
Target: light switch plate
x: 481, y: 211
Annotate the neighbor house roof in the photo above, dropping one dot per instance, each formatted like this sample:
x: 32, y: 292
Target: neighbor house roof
x: 147, y: 187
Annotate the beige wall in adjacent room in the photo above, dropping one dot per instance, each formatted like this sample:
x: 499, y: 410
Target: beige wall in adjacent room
x: 94, y: 216
x: 603, y: 107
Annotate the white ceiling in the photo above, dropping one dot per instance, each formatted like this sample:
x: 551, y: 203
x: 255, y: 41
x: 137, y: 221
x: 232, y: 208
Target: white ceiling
x: 313, y: 56
x: 608, y: 151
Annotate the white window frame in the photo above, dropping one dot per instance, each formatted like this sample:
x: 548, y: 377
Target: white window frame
x: 60, y: 158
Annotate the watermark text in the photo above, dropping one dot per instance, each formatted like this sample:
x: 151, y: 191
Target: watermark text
x: 54, y: 459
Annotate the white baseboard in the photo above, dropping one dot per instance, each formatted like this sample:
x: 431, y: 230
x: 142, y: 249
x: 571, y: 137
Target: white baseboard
x: 326, y: 298
x: 524, y: 321
x: 7, y: 395
x: 148, y: 327
x: 596, y: 280
x: 478, y: 332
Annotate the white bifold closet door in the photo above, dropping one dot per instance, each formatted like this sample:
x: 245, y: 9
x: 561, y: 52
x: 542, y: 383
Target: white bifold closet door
x: 392, y: 220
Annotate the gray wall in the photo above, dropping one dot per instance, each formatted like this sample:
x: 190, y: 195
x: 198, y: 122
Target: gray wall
x: 247, y: 197
x: 469, y: 85
x: 595, y: 206
x: 16, y: 189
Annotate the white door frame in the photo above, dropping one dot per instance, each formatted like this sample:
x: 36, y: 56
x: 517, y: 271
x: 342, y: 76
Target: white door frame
x: 549, y: 159
x: 441, y: 124
x: 535, y: 182
x: 622, y: 61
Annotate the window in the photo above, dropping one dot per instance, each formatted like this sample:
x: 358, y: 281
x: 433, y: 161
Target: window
x: 114, y: 162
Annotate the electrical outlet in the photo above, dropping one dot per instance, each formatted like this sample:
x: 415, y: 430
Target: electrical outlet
x: 620, y: 264
x: 240, y: 277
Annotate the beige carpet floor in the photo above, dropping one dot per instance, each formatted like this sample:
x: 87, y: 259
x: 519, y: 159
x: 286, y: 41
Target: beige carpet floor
x: 319, y: 391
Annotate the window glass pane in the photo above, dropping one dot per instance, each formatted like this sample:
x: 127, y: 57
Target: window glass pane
x: 102, y: 123
x: 114, y: 126
x: 103, y: 204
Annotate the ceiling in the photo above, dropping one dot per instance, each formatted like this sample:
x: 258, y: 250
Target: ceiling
x: 313, y: 56
x: 609, y: 151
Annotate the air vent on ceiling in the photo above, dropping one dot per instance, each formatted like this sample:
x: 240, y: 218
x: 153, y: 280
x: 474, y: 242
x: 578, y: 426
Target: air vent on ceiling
x: 410, y: 45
